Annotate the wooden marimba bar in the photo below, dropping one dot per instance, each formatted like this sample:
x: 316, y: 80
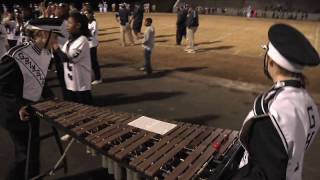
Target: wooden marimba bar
x: 188, y: 151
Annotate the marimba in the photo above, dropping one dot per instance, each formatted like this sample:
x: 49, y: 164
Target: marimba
x: 188, y: 151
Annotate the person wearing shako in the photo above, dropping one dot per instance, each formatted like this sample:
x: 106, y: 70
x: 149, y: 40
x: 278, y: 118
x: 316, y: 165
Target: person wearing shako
x: 284, y: 120
x: 23, y: 70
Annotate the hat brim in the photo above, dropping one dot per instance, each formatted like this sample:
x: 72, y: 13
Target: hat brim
x: 59, y: 34
x: 31, y: 27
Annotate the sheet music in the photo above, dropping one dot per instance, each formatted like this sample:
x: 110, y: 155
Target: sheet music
x: 152, y: 125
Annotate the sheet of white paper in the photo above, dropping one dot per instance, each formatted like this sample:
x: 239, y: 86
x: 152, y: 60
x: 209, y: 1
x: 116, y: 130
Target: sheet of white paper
x: 152, y: 125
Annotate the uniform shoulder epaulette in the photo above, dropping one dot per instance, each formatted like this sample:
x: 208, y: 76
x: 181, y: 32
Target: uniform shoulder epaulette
x: 5, y: 59
x: 262, y: 103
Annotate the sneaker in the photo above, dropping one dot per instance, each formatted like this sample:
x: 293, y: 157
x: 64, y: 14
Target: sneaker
x: 95, y: 82
x: 142, y: 69
x: 66, y: 137
x: 191, y: 51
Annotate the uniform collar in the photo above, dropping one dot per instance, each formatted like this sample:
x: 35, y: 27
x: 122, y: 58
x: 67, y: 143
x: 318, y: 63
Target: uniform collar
x: 289, y: 83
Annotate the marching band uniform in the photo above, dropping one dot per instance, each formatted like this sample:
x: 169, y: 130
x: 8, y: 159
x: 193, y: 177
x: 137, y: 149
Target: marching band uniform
x: 93, y: 44
x: 284, y: 120
x: 23, y: 70
x: 3, y: 40
x: 77, y: 69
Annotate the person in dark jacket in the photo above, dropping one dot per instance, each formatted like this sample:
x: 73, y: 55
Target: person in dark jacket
x: 123, y: 17
x: 22, y: 77
x: 181, y: 24
x: 137, y: 19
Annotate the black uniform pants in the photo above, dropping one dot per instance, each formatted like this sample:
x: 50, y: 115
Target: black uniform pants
x: 137, y: 24
x: 20, y: 138
x: 181, y: 32
x: 147, y: 61
x: 95, y: 63
x: 60, y: 73
x: 83, y: 97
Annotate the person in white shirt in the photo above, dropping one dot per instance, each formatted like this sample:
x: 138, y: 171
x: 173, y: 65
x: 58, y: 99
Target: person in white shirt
x: 148, y: 7
x: 113, y: 7
x: 154, y: 8
x: 148, y: 45
x: 77, y: 61
x: 100, y: 7
x: 105, y: 7
x: 93, y: 44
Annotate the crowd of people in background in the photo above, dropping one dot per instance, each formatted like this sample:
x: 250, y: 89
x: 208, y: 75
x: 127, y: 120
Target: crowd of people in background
x: 276, y: 11
x: 104, y: 7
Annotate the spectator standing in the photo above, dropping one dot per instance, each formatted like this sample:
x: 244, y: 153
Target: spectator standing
x: 192, y: 24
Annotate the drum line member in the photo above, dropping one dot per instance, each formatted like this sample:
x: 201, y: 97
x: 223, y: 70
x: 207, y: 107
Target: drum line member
x: 93, y: 44
x: 22, y: 77
x: 284, y: 120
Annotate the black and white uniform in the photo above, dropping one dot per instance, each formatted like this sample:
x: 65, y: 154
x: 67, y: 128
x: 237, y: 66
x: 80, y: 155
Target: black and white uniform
x: 278, y: 131
x: 33, y: 64
x: 22, y: 77
x: 93, y: 44
x: 284, y: 120
x: 77, y: 69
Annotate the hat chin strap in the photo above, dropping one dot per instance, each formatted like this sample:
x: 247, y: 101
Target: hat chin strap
x: 47, y: 42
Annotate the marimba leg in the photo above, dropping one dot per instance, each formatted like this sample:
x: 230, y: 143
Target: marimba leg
x: 110, y: 166
x: 104, y: 161
x: 117, y: 171
x: 129, y: 174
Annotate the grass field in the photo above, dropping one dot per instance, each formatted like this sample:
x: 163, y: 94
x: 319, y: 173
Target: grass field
x: 228, y: 47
